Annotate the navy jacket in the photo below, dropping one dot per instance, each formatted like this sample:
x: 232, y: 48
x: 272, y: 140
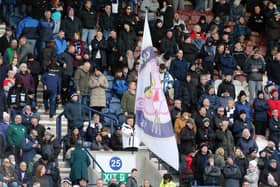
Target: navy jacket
x: 246, y: 144
x: 238, y: 127
x: 46, y: 29
x: 179, y: 68
x: 28, y: 27
x: 228, y: 64
x: 260, y: 109
x: 52, y: 81
x: 73, y: 111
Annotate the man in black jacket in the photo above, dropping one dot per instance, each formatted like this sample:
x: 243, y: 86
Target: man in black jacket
x: 88, y: 18
x: 71, y: 24
x: 5, y: 40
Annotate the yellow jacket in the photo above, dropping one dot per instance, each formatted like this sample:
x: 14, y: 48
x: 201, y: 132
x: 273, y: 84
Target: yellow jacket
x: 170, y: 184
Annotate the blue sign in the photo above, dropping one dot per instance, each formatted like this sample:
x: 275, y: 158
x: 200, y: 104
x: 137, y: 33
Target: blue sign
x: 115, y: 163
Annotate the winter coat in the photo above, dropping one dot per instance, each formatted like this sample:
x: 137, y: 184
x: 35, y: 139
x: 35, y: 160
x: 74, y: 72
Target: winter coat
x: 179, y: 68
x: 213, y: 99
x: 238, y: 127
x: 190, y: 51
x: 208, y: 52
x: 240, y: 30
x: 50, y: 148
x: 128, y: 102
x: 44, y: 180
x: 24, y: 51
x: 79, y: 163
x: 107, y: 21
x: 260, y: 110
x: 128, y: 137
x: 27, y: 80
x: 92, y: 130
x: 274, y: 130
x: 232, y: 176
x: 99, y: 48
x: 52, y: 81
x: 273, y: 104
x: 97, y: 85
x: 240, y: 57
x: 226, y: 86
x: 73, y: 111
x: 28, y: 27
x: 243, y: 106
x: 272, y: 29
x: 16, y: 134
x: 17, y: 97
x: 28, y: 151
x: 225, y: 140
x: 80, y: 50
x: 228, y: 64
x: 46, y: 30
x: 67, y: 58
x: 3, y: 145
x: 8, y: 172
x: 127, y: 41
x: 168, y: 45
x: 187, y: 140
x: 88, y: 18
x: 81, y: 80
x: 71, y: 26
x: 212, y: 175
x: 198, y: 164
x: 60, y: 45
x: 252, y: 64
x: 236, y: 12
x: 113, y: 51
x: 40, y: 130
x: 4, y: 43
x: 252, y: 176
x: 168, y: 184
x: 116, y: 142
x: 23, y: 179
x: 119, y: 86
x: 246, y: 144
x: 264, y: 179
x: 179, y: 124
x: 187, y: 95
x: 256, y: 22
x: 131, y: 182
x: 206, y: 135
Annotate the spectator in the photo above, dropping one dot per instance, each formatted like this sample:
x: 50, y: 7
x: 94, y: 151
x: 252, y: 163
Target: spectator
x: 26, y: 115
x: 97, y: 85
x: 211, y: 96
x: 255, y: 70
x: 168, y: 44
x: 246, y: 142
x: 50, y: 147
x: 25, y: 49
x: 16, y: 134
x: 188, y: 94
x: 4, y: 123
x: 107, y: 21
x: 74, y: 114
x: 167, y: 181
x: 99, y: 145
x: 80, y: 49
x: 71, y: 140
x: 23, y: 178
x: 56, y: 7
x: 242, y: 104
x: 30, y: 146
x: 236, y: 10
x: 186, y: 139
x: 128, y: 99
x: 231, y: 174
x: 71, y: 24
x: 274, y: 127
x: 131, y: 180
x: 41, y: 177
x: 260, y: 117
x: 46, y: 27
x: 116, y: 140
x: 241, y: 124
x: 252, y: 175
x: 48, y: 54
x: 94, y: 127
x: 6, y: 39
x: 256, y: 21
x: 224, y: 139
x: 273, y: 102
x: 35, y: 125
x: 190, y: 51
x: 176, y: 112
x: 25, y: 77
x: 228, y: 63
x: 60, y: 43
x: 199, y: 163
x: 241, y: 29
x: 81, y: 79
x: 79, y: 163
x: 88, y: 19
x: 219, y: 117
x: 206, y: 134
x: 35, y: 70
x: 119, y: 84
x: 271, y: 175
x: 8, y: 173
x: 166, y: 80
x: 99, y: 47
x: 212, y: 173
x: 127, y: 38
x: 11, y: 52
x: 208, y: 51
x: 113, y: 52
x: 52, y: 86
x: 272, y: 27
x: 130, y: 141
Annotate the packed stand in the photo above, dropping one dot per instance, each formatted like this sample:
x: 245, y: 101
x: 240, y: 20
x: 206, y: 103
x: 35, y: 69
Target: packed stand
x: 213, y: 61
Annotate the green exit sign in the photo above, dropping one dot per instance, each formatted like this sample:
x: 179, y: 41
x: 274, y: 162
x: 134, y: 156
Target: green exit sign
x: 120, y: 176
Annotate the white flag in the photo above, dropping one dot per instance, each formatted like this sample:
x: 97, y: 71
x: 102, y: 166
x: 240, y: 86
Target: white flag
x: 153, y: 122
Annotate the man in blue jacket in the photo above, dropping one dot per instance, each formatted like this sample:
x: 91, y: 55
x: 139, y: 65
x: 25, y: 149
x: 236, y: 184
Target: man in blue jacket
x: 52, y: 87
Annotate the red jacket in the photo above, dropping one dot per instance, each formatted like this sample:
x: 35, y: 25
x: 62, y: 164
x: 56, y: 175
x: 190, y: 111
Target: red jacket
x: 273, y: 104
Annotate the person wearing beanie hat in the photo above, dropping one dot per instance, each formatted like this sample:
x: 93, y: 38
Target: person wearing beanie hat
x: 206, y: 134
x: 243, y: 104
x: 270, y: 176
x: 66, y: 182
x: 260, y: 117
x: 252, y: 174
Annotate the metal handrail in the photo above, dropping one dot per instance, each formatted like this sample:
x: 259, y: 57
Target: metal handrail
x: 94, y: 161
x: 90, y: 111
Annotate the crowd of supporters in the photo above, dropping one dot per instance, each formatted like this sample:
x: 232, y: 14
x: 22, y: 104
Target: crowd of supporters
x: 220, y: 76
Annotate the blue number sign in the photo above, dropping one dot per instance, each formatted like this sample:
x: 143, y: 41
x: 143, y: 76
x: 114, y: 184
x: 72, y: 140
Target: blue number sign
x: 115, y: 163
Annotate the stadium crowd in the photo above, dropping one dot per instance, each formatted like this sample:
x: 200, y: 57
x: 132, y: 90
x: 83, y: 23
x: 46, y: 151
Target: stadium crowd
x: 221, y: 86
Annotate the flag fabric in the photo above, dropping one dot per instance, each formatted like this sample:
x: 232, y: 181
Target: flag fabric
x: 153, y: 121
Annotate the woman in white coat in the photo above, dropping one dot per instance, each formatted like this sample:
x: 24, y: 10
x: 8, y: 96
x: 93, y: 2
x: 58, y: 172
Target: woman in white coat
x: 130, y: 141
x: 252, y: 175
